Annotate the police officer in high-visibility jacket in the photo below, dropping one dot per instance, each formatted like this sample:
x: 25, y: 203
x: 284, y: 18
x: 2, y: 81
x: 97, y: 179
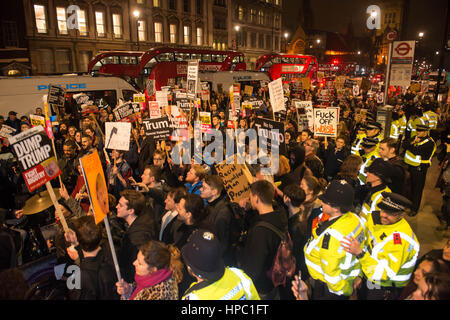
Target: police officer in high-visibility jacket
x: 370, y: 153
x: 378, y: 176
x: 360, y: 134
x: 390, y: 252
x: 332, y: 269
x: 395, y: 126
x: 419, y: 152
x: 431, y: 118
x: 202, y: 256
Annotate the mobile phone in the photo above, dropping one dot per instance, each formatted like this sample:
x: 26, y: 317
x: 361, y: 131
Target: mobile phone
x: 299, y: 283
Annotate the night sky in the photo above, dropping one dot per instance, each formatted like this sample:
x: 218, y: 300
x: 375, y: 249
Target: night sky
x: 334, y: 15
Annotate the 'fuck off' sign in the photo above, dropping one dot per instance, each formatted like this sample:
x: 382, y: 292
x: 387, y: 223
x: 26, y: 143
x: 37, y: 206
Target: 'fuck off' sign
x: 326, y: 121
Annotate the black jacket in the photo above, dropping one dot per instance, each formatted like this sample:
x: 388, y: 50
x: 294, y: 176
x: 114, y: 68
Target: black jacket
x: 98, y: 278
x: 257, y: 257
x: 140, y: 232
x: 298, y: 230
x: 219, y: 220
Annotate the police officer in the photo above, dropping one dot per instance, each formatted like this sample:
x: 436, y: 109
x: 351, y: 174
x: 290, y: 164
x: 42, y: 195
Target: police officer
x: 419, y: 152
x: 432, y: 118
x: 360, y: 134
x: 378, y: 176
x: 390, y: 252
x: 202, y: 256
x: 373, y: 130
x: 332, y: 269
x: 370, y: 153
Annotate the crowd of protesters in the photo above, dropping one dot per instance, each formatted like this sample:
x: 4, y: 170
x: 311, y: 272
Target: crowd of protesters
x: 178, y: 236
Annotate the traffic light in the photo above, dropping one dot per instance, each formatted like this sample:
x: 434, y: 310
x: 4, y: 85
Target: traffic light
x: 335, y: 62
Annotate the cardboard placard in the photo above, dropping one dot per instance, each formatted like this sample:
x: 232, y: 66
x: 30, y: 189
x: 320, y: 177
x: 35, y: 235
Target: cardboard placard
x: 326, y: 121
x: 34, y: 152
x: 236, y: 180
x: 138, y: 97
x: 161, y: 97
x: 248, y: 90
x: 97, y: 190
x: 276, y: 94
x: 118, y: 135
x: 127, y: 112
x: 158, y: 128
x: 56, y: 96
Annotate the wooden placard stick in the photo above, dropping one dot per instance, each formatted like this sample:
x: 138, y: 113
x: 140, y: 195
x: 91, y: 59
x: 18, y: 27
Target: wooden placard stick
x: 56, y: 205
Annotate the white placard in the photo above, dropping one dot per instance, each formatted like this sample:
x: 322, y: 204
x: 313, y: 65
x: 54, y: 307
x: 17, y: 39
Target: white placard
x: 308, y: 117
x: 161, y: 97
x: 326, y: 121
x: 118, y: 135
x: 276, y: 95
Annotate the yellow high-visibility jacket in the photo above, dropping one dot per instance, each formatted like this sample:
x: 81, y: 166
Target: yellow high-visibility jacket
x: 327, y: 260
x: 370, y: 205
x: 391, y: 252
x: 234, y: 285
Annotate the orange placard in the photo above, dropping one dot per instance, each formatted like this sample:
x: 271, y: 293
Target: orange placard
x: 95, y: 185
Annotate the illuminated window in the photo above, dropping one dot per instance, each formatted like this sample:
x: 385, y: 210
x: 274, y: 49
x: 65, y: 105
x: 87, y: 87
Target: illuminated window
x: 261, y: 17
x: 41, y: 19
x: 253, y: 15
x: 186, y: 34
x: 199, y: 36
x: 156, y: 3
x: 240, y: 13
x: 82, y: 25
x: 158, y: 32
x: 100, y: 23
x: 173, y: 33
x: 117, y: 25
x: 142, y: 30
x: 62, y: 20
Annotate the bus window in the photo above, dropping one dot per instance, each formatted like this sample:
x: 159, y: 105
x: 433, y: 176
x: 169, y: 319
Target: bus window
x: 110, y: 60
x: 128, y: 60
x: 127, y: 95
x: 276, y: 60
x: 179, y: 56
x: 206, y: 58
x: 268, y: 64
x: 285, y: 60
x: 236, y: 59
x: 165, y: 57
x: 241, y: 59
x: 196, y: 56
x: 218, y: 57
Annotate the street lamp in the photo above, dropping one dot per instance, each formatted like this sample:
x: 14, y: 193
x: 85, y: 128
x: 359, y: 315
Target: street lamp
x: 420, y: 35
x: 318, y: 41
x: 359, y: 52
x: 237, y: 28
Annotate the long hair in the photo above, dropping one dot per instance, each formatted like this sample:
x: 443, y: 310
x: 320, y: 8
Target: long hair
x: 161, y: 256
x: 350, y: 167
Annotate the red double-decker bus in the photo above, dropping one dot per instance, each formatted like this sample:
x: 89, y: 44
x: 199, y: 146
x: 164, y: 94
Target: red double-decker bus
x: 288, y: 66
x: 165, y: 65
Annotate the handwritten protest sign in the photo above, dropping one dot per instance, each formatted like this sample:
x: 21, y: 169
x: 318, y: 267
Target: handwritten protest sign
x: 236, y: 180
x: 248, y: 90
x: 56, y: 97
x: 326, y: 121
x: 6, y: 131
x: 158, y: 128
x: 34, y: 152
x: 161, y: 97
x: 118, y: 135
x: 276, y: 95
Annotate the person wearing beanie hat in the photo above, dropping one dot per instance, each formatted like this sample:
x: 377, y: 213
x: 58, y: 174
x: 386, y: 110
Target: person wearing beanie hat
x: 378, y: 176
x: 215, y: 281
x: 370, y: 153
x: 332, y: 269
x: 418, y: 155
x: 391, y: 255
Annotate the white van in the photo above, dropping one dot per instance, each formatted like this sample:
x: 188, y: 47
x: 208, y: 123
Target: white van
x: 23, y: 95
x: 222, y: 80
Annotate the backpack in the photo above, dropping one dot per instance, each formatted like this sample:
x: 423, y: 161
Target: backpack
x: 283, y: 265
x: 238, y: 229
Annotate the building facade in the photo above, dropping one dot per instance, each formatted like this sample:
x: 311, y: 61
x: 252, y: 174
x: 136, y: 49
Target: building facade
x: 254, y: 27
x: 63, y: 35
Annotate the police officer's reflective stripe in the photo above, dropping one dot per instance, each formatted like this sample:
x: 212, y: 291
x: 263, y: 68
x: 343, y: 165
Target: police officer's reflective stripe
x: 412, y: 159
x: 383, y: 265
x: 192, y: 296
x: 245, y: 283
x: 394, y: 134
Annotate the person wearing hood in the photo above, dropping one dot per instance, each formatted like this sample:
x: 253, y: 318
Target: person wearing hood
x: 297, y: 164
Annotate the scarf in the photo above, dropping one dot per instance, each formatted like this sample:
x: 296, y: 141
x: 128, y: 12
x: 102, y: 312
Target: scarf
x: 150, y: 280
